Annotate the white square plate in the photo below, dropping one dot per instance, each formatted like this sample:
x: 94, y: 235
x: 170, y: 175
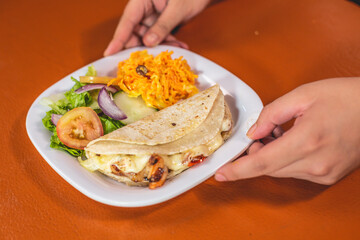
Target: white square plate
x: 244, y: 104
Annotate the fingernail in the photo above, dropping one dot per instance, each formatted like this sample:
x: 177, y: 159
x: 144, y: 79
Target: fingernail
x: 152, y: 38
x: 251, y: 130
x: 220, y: 177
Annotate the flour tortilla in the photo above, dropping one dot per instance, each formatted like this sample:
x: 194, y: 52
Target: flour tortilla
x: 168, y: 124
x: 197, y: 120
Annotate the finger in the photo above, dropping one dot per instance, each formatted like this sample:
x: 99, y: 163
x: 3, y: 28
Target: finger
x: 133, y: 42
x: 276, y: 113
x: 145, y: 24
x: 167, y: 21
x: 278, y: 132
x: 140, y: 30
x: 171, y: 40
x: 131, y: 17
x: 273, y: 156
x: 256, y: 146
x: 160, y: 5
x: 318, y: 168
x: 267, y: 140
x: 173, y: 43
x: 150, y: 20
x: 292, y: 171
x: 177, y: 44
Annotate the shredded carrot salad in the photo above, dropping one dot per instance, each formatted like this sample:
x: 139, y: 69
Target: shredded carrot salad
x: 160, y: 80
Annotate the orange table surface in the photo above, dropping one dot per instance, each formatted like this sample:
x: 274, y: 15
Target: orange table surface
x: 273, y: 46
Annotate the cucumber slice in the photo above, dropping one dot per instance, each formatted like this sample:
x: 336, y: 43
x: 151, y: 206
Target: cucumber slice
x: 52, y: 99
x: 134, y: 107
x: 94, y: 95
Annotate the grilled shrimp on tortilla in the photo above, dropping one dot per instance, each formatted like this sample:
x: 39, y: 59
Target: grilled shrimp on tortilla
x: 164, y: 144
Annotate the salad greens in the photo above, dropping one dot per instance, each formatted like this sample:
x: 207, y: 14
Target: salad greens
x: 91, y: 71
x: 110, y: 124
x: 62, y: 103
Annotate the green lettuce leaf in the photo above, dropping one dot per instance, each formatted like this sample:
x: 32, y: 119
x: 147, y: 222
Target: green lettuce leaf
x: 61, y: 106
x: 110, y: 124
x: 57, y: 144
x: 77, y: 100
x: 91, y: 71
x: 47, y: 121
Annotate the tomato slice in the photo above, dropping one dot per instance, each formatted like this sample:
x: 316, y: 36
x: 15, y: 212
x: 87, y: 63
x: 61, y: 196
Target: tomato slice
x: 78, y: 127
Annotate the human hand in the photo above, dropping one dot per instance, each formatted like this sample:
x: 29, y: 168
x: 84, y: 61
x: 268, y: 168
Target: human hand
x: 323, y: 144
x: 150, y: 22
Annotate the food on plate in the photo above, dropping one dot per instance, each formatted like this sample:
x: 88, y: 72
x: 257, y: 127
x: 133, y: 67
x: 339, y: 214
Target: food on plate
x: 161, y: 81
x: 164, y: 144
x: 144, y: 85
x: 95, y: 79
x: 134, y: 107
x: 88, y: 111
x: 78, y: 127
x: 98, y: 105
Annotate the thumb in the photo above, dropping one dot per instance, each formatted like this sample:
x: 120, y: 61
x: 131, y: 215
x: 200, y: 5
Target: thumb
x: 282, y: 110
x: 167, y: 21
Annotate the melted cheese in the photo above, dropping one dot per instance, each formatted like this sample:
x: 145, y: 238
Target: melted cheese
x: 126, y: 163
x: 226, y: 125
x: 200, y: 150
x: 133, y: 163
x: 136, y: 163
x: 174, y: 162
x: 215, y: 143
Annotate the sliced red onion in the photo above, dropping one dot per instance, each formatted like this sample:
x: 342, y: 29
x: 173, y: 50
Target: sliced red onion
x: 89, y: 87
x: 55, y: 118
x: 108, y: 106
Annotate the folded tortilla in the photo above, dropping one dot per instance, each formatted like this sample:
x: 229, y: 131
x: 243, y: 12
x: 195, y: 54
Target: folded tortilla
x: 165, y: 143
